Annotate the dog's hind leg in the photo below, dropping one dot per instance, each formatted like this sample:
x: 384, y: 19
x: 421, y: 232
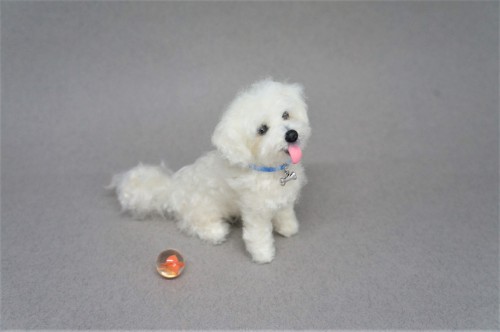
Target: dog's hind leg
x: 210, y: 228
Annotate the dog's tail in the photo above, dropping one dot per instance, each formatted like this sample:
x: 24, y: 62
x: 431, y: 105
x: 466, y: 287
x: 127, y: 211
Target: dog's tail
x: 143, y: 190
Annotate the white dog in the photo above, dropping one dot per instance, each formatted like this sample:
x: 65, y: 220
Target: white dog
x: 248, y: 177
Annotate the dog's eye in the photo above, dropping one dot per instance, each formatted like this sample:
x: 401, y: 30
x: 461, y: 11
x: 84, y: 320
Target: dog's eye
x: 262, y: 129
x: 285, y: 115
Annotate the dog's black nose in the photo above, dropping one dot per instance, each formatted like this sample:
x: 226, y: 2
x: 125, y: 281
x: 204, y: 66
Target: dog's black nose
x: 291, y: 136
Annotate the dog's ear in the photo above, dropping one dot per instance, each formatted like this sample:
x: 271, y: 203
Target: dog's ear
x: 230, y: 138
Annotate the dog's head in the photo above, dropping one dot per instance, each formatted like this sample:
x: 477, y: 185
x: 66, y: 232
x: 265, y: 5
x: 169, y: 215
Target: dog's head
x: 265, y: 125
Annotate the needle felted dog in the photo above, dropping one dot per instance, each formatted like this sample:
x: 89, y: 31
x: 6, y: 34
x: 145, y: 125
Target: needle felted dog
x: 254, y: 174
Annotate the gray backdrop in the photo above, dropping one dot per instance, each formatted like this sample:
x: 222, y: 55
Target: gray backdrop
x: 399, y: 221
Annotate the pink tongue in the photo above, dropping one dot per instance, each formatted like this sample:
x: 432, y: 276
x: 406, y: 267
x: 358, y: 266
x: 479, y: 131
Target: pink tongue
x: 295, y: 153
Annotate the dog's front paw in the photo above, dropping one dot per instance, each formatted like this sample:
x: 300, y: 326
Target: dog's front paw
x: 259, y: 242
x: 262, y: 255
x: 285, y: 223
x: 287, y: 228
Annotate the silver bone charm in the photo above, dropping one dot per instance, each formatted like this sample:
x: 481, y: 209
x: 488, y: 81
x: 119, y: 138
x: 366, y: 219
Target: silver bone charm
x: 288, y: 177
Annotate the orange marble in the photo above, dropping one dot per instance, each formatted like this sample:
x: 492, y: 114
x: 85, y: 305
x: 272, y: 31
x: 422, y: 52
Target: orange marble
x: 170, y: 264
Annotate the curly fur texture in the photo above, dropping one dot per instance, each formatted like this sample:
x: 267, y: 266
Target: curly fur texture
x: 220, y: 185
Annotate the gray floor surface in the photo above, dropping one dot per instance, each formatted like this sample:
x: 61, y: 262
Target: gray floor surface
x: 399, y: 220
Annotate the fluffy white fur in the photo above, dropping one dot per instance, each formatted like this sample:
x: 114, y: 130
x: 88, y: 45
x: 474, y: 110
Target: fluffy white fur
x: 220, y: 186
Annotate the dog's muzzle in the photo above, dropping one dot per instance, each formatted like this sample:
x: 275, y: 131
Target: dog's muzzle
x: 291, y: 136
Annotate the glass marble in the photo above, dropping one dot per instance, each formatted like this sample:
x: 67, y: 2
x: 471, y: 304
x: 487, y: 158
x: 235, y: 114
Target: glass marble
x: 170, y: 264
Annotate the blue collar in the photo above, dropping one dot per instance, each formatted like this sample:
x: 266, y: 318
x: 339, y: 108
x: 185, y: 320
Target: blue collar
x: 268, y: 169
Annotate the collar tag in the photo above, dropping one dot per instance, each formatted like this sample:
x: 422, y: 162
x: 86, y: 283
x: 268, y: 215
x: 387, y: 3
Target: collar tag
x: 288, y: 177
